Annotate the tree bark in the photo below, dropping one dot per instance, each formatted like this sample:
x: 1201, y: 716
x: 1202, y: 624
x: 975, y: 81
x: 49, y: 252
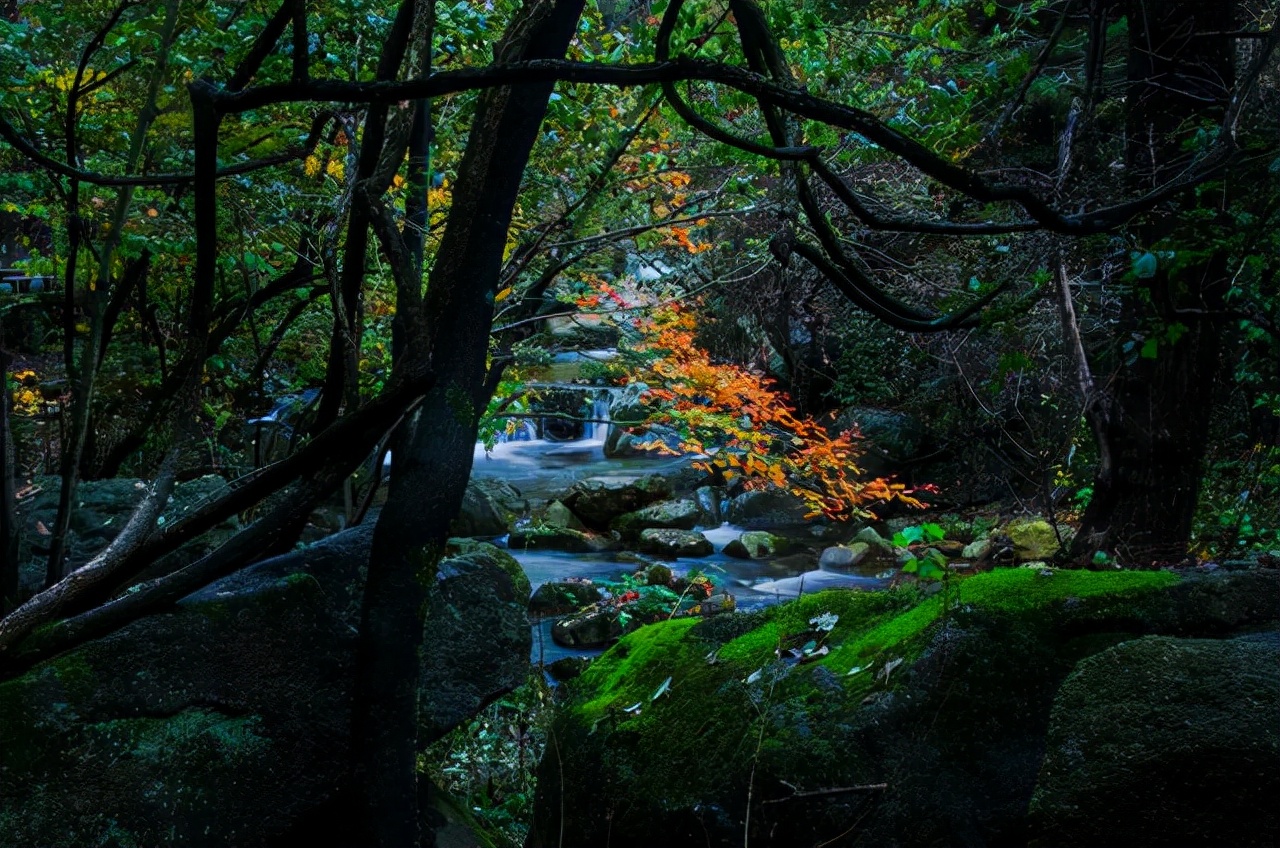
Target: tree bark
x: 432, y: 451
x: 1156, y: 426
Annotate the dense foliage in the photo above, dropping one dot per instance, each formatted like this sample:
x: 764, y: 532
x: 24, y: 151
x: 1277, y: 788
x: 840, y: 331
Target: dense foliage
x: 1032, y: 245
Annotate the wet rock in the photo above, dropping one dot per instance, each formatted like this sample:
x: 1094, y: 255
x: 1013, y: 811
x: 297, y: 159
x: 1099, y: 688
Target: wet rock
x: 669, y: 515
x: 714, y: 605
x: 674, y: 543
x: 976, y: 549
x: 488, y: 508
x: 559, y: 515
x: 626, y: 411
x: 563, y: 596
x: 755, y: 544
x: 842, y: 558
x: 658, y: 575
x: 877, y: 543
x: 589, y: 629
x: 708, y: 499
x: 568, y: 668
x: 764, y: 508
x: 598, y: 502
x: 548, y: 537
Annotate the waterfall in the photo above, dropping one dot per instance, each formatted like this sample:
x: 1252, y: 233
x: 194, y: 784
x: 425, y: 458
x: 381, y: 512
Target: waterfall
x: 525, y: 431
x: 598, y: 429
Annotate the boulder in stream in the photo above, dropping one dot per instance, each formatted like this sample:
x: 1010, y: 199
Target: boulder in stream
x: 593, y: 628
x: 564, y: 596
x: 549, y: 537
x: 764, y: 508
x: 755, y: 544
x: 598, y: 502
x: 843, y: 557
x: 666, y: 515
x: 488, y: 508
x: 674, y: 543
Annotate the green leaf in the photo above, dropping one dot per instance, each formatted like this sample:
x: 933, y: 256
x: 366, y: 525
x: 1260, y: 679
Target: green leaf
x: 1150, y: 349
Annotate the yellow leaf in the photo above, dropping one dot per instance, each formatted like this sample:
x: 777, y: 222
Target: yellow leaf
x: 503, y: 295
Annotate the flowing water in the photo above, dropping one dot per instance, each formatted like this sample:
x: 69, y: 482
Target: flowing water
x: 542, y: 470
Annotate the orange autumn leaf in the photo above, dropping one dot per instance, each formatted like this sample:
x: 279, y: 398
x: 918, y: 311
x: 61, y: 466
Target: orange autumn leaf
x: 751, y: 423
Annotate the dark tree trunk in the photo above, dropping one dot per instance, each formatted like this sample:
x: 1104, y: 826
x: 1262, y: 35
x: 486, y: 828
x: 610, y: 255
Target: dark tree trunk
x: 1155, y: 419
x: 433, y: 449
x: 8, y: 515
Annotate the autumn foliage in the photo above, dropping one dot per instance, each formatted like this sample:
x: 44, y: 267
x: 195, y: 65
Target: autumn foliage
x: 745, y: 426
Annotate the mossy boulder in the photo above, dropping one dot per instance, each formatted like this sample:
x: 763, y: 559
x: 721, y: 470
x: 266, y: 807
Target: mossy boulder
x: 674, y: 543
x: 877, y: 544
x: 225, y: 720
x: 1162, y: 741
x: 929, y: 714
x: 755, y: 544
x: 559, y: 515
x: 549, y: 537
x: 591, y: 628
x: 664, y: 515
x: 598, y: 502
x: 1032, y: 538
x: 562, y: 596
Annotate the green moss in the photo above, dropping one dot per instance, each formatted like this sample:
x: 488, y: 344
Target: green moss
x: 634, y: 668
x: 464, y: 547
x: 703, y: 739
x: 857, y: 611
x: 1020, y: 589
x: 870, y: 624
x: 77, y: 676
x: 194, y: 733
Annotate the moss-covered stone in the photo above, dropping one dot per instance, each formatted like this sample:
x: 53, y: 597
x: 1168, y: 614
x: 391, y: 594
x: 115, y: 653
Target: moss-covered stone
x: 559, y: 597
x: 1033, y: 539
x: 674, y: 543
x: 665, y: 515
x: 943, y: 699
x: 552, y: 538
x: 1162, y: 741
x: 754, y: 544
x: 225, y: 720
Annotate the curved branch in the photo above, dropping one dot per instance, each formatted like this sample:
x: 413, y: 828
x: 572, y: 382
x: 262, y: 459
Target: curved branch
x: 662, y: 52
x: 10, y: 134
x: 864, y: 294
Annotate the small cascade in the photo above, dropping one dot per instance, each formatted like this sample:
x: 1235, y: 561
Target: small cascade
x: 598, y: 428
x: 525, y: 431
